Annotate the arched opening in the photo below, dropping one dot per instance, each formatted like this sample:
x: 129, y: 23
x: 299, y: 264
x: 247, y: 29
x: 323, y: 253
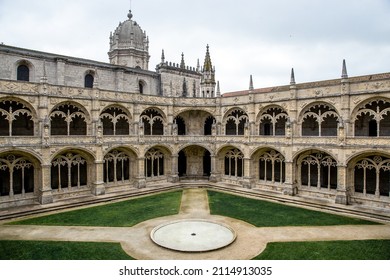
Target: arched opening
x: 88, y: 81
x: 182, y: 168
x: 69, y: 170
x: 181, y: 126
x: 153, y: 122
x: 117, y: 167
x: 68, y: 119
x: 235, y: 123
x: 23, y: 73
x: 17, y: 175
x: 15, y: 119
x: 115, y: 122
x: 208, y: 125
x: 154, y: 163
x: 234, y: 163
x: 141, y: 87
x: 318, y: 170
x: 194, y: 163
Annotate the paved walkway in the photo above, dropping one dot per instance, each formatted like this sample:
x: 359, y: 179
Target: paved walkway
x: 250, y: 241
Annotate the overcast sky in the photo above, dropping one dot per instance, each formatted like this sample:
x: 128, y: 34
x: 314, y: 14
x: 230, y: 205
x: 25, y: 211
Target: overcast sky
x: 263, y: 38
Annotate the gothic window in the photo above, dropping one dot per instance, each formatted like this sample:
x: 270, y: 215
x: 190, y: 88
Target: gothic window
x: 23, y: 73
x: 320, y: 120
x: 234, y: 163
x: 153, y: 122
x: 235, y: 122
x: 272, y: 167
x: 154, y: 163
x: 372, y: 176
x: 68, y: 170
x: 68, y: 120
x: 15, y: 119
x: 373, y: 119
x: 116, y: 167
x: 115, y: 122
x: 88, y: 81
x: 273, y: 122
x: 318, y: 170
x: 17, y: 175
x: 181, y: 125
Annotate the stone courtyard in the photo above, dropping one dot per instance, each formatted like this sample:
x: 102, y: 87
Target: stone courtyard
x: 250, y: 241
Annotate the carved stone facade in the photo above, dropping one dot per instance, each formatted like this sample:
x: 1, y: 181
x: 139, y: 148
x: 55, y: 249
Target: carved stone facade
x: 71, y: 128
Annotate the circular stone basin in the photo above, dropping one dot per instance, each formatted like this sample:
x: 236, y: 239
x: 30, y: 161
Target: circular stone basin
x: 193, y: 235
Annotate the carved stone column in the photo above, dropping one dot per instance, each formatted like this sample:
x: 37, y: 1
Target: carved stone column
x: 214, y: 175
x: 342, y: 196
x: 45, y: 195
x: 290, y: 185
x: 98, y: 187
x: 174, y: 178
x: 140, y: 180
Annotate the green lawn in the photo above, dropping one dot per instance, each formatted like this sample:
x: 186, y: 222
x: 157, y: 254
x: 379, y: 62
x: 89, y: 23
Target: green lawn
x: 328, y: 250
x: 50, y: 250
x: 262, y: 213
x: 121, y: 214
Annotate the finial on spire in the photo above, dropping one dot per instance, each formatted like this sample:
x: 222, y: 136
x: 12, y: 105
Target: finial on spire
x: 182, y: 64
x: 292, y: 80
x: 218, y: 90
x: 130, y: 15
x: 344, y: 74
x: 251, y: 83
x: 162, y: 57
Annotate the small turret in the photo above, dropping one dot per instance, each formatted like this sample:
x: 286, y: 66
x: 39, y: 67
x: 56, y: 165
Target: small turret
x: 208, y: 77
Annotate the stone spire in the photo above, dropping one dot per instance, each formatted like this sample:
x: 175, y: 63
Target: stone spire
x: 251, y: 83
x: 207, y: 82
x: 218, y: 90
x: 292, y: 79
x: 344, y: 74
x: 182, y: 63
x: 162, y: 57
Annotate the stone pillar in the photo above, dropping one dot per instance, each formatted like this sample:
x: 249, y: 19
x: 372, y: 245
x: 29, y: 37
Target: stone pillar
x: 214, y: 175
x: 248, y: 181
x: 98, y: 187
x: 44, y: 192
x: 290, y: 185
x: 174, y: 178
x: 140, y: 180
x: 342, y: 196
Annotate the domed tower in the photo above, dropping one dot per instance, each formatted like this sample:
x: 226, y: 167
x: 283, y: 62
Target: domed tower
x: 129, y: 45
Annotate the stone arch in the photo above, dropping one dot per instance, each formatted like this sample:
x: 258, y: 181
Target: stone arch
x: 316, y: 169
x: 231, y: 161
x: 89, y: 78
x: 369, y: 174
x: 234, y: 121
x: 195, y: 121
x: 20, y: 173
x: 371, y: 118
x: 17, y: 117
x: 268, y: 165
x: 69, y: 118
x: 272, y: 120
x: 116, y: 120
x: 153, y: 121
x: 194, y: 161
x: 31, y: 70
x: 319, y: 119
x: 119, y: 165
x: 72, y: 168
x: 157, y: 162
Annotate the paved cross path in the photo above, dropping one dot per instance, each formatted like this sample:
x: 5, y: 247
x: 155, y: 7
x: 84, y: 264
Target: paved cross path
x: 250, y: 242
